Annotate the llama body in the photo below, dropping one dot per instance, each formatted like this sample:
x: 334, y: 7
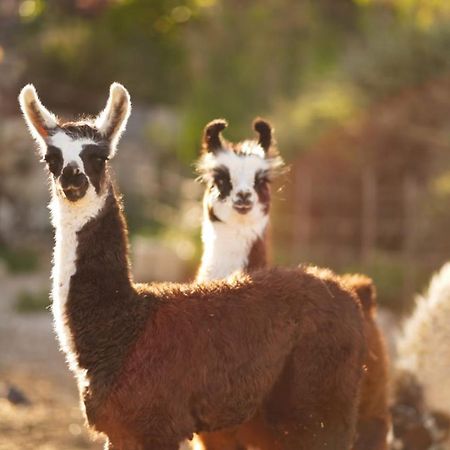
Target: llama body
x: 423, y: 364
x: 156, y: 363
x: 234, y: 241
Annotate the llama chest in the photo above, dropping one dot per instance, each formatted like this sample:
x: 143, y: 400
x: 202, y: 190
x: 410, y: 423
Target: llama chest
x: 68, y: 222
x: 227, y: 249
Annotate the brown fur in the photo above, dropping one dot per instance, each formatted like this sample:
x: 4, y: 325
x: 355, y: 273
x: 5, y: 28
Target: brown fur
x: 374, y: 416
x: 257, y: 258
x: 156, y: 363
x: 212, y: 140
x: 373, y: 413
x: 264, y: 129
x: 165, y: 361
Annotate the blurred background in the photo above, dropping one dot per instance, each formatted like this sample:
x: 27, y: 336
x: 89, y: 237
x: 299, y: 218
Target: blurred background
x: 358, y: 92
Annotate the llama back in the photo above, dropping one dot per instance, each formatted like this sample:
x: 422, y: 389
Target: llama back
x: 423, y: 347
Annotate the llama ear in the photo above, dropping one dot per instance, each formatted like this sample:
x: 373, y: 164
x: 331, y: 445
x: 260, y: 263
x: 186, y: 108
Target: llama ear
x: 264, y: 130
x: 40, y: 121
x: 212, y: 140
x: 112, y: 120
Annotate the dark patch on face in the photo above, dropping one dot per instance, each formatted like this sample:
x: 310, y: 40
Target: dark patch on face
x: 212, y: 215
x: 53, y: 158
x: 262, y: 188
x: 222, y: 181
x: 94, y: 158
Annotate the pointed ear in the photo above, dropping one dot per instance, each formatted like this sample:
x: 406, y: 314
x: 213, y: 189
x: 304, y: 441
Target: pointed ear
x: 40, y: 121
x: 111, y: 122
x: 264, y: 130
x: 212, y: 140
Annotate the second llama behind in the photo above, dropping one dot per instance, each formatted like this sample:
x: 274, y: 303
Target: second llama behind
x: 236, y: 207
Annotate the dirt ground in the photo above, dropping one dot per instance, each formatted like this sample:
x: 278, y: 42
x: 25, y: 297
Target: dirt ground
x: 30, y: 362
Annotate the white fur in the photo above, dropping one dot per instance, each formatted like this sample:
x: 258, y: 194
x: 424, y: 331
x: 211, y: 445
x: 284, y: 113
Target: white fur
x: 424, y: 347
x: 68, y: 218
x: 227, y: 244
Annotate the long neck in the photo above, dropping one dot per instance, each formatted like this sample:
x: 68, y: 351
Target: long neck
x: 228, y: 248
x: 92, y: 290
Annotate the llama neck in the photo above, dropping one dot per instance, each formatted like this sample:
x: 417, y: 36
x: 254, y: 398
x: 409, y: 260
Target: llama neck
x: 228, y: 248
x: 90, y: 276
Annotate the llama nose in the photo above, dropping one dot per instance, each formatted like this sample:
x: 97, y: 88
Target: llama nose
x: 243, y: 197
x: 70, y: 170
x: 72, y: 176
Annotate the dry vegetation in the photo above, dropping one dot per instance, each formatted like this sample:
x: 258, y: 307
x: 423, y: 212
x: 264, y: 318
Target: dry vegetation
x: 31, y: 363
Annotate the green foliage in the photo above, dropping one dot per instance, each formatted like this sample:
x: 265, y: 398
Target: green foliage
x: 28, y: 302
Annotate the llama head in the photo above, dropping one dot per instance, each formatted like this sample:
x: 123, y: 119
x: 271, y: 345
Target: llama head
x: 238, y: 175
x: 76, y: 152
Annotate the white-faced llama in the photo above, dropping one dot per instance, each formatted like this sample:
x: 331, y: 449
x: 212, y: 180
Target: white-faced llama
x: 156, y: 363
x: 236, y: 207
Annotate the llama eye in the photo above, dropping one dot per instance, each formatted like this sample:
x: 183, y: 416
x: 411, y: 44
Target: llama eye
x: 51, y: 160
x: 221, y: 179
x: 98, y: 161
x: 261, y: 181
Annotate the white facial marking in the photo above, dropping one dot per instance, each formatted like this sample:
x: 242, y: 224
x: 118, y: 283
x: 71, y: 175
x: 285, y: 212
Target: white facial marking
x: 70, y: 148
x: 423, y: 348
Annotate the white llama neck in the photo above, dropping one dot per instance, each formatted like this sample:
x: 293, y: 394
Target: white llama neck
x: 68, y: 218
x: 227, y: 247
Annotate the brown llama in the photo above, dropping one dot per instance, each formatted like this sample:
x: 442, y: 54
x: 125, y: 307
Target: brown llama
x: 156, y: 363
x: 236, y: 207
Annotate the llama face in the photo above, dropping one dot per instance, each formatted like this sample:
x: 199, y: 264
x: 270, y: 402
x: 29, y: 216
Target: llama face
x: 76, y: 152
x: 237, y: 175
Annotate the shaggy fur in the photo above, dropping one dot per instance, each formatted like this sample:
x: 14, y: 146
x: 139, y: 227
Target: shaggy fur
x: 424, y: 361
x: 156, y: 363
x: 373, y: 415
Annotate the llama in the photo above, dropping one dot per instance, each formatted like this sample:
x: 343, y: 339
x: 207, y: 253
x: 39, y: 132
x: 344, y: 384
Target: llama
x: 236, y: 203
x: 421, y: 409
x: 156, y: 363
x: 236, y: 207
